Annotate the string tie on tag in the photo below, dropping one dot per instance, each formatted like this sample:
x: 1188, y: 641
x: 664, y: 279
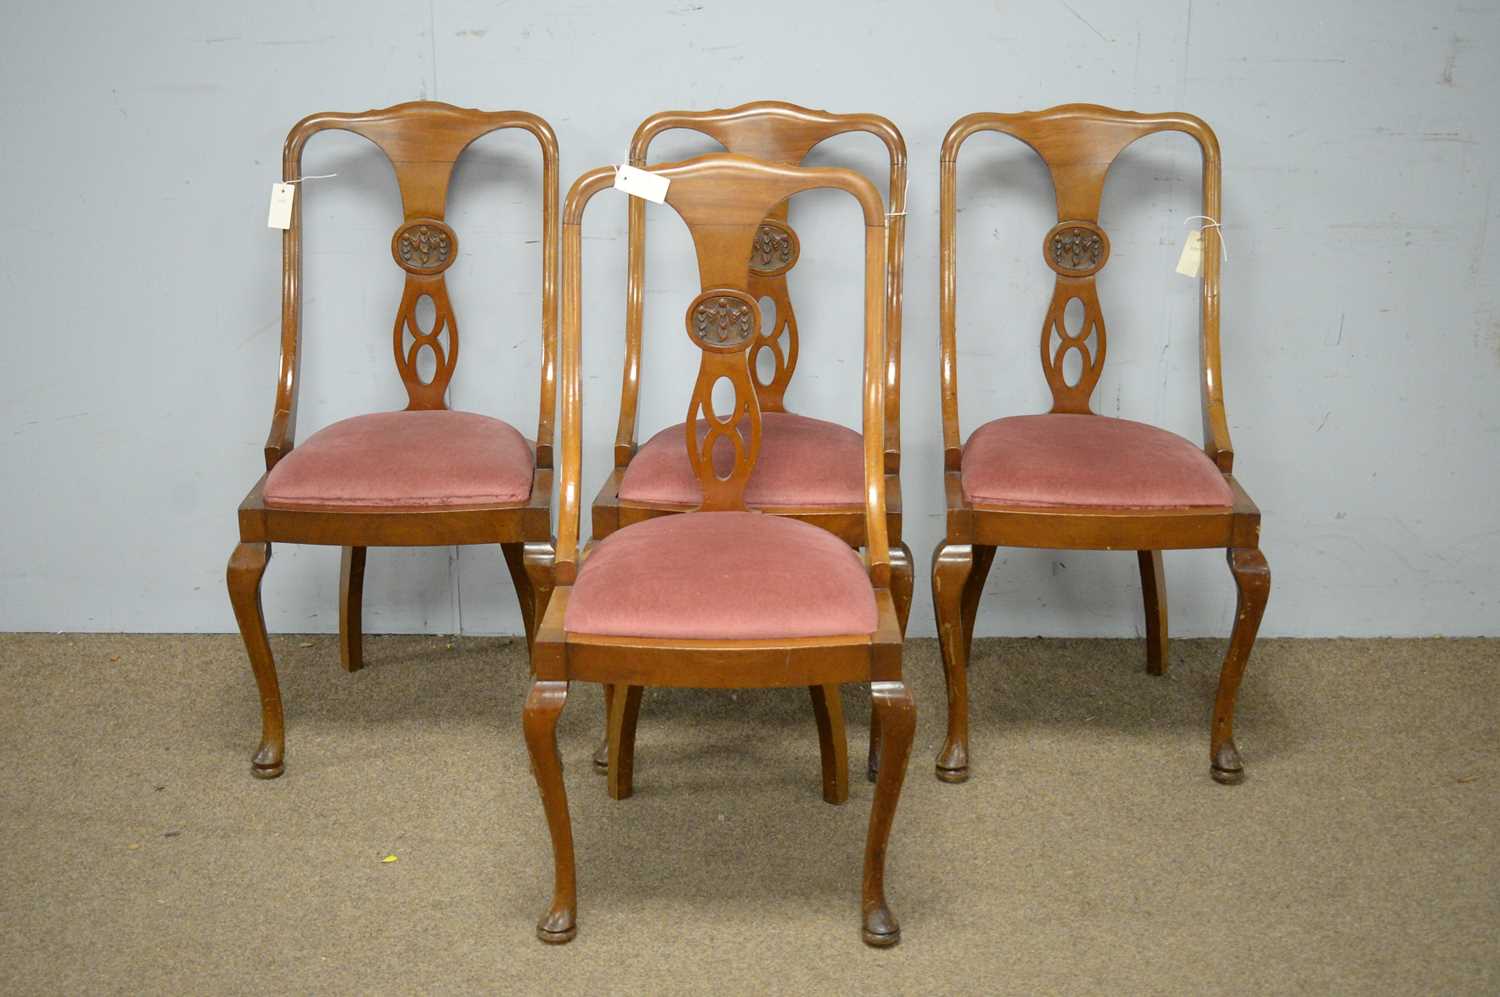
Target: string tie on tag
x: 317, y: 176
x: 1210, y: 223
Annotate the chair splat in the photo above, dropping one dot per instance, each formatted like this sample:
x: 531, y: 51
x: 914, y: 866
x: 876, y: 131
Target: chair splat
x: 723, y: 323
x: 1079, y: 143
x: 781, y: 133
x: 422, y: 140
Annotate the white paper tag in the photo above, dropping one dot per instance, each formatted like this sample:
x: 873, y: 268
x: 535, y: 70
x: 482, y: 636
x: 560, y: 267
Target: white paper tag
x: 642, y: 183
x: 1190, y: 263
x: 282, y: 196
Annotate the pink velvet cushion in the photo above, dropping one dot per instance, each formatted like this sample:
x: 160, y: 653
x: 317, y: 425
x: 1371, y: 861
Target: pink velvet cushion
x: 394, y: 459
x: 1087, y: 460
x: 721, y: 575
x: 802, y: 462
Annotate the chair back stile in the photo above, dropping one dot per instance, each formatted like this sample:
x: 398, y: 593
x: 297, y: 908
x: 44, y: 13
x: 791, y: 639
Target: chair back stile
x: 1078, y: 143
x: 783, y: 134
x: 422, y: 140
x: 724, y: 199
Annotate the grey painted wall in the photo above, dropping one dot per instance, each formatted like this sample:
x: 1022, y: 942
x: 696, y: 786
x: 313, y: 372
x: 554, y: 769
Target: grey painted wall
x: 1361, y: 319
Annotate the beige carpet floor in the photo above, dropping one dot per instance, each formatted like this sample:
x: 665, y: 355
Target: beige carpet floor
x: 1090, y: 852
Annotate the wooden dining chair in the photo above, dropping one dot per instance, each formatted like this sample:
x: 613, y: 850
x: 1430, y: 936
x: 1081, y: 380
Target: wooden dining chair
x: 723, y: 597
x: 423, y: 476
x: 809, y: 469
x: 1072, y: 479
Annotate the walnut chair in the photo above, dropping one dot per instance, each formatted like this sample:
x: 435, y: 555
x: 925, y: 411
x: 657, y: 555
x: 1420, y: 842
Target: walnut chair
x: 723, y: 597
x: 422, y: 476
x: 1072, y: 479
x: 808, y: 469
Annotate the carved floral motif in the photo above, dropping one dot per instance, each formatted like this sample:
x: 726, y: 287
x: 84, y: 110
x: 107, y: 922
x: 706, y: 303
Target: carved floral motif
x: 424, y: 246
x: 1077, y: 248
x: 774, y: 249
x: 722, y: 321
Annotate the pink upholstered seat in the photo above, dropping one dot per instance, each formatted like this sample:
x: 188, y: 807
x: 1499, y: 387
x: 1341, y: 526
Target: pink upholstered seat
x: 803, y: 462
x: 721, y: 575
x: 1066, y: 460
x: 405, y: 459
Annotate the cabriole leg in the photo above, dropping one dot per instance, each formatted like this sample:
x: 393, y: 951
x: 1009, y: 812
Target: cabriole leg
x: 898, y: 720
x: 539, y: 720
x: 247, y: 565
x: 951, y: 565
x: 1252, y: 577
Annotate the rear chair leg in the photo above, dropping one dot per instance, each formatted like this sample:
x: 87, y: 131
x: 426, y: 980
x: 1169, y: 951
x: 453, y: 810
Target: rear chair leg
x: 624, y: 711
x: 247, y: 565
x: 898, y: 720
x: 951, y: 564
x: 903, y: 581
x: 984, y: 556
x: 1252, y: 577
x: 539, y: 720
x: 601, y: 753
x: 833, y: 745
x: 1154, y: 594
x: 351, y: 609
x: 530, y: 567
x: 615, y: 756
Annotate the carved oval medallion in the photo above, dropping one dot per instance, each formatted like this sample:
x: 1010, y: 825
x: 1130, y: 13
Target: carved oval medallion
x: 775, y: 249
x: 1076, y: 249
x: 424, y: 246
x: 723, y: 320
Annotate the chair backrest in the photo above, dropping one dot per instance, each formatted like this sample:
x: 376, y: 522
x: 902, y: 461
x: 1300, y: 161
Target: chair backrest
x: 422, y: 140
x: 1079, y: 143
x: 723, y: 198
x: 780, y: 133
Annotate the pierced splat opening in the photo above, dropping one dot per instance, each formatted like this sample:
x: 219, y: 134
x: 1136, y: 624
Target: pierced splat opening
x: 766, y: 362
x: 424, y: 313
x: 426, y: 364
x: 765, y: 366
x: 721, y: 399
x: 724, y: 454
x: 1072, y: 366
x: 1073, y: 316
x: 767, y: 313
